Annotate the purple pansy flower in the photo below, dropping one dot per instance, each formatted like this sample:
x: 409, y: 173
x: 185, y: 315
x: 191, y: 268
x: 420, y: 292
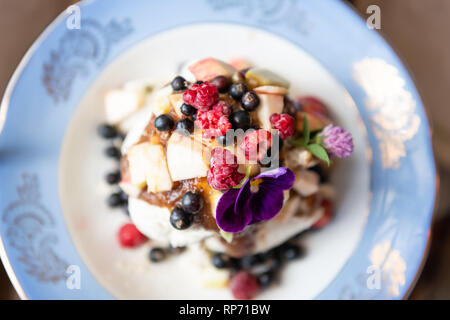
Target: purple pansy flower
x: 337, y: 141
x: 259, y: 199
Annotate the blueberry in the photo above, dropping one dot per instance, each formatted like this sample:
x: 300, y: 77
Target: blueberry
x: 222, y: 83
x: 240, y: 120
x: 164, y: 123
x: 291, y: 251
x: 157, y: 255
x: 266, y: 278
x: 220, y: 261
x: 107, y: 131
x: 178, y: 84
x: 238, y: 90
x: 248, y: 262
x: 113, y: 152
x: 181, y: 219
x: 321, y: 172
x: 185, y: 126
x: 115, y: 200
x: 200, y: 82
x: 194, y: 117
x: 225, y: 141
x: 113, y: 177
x: 192, y: 202
x: 250, y: 101
x: 188, y: 110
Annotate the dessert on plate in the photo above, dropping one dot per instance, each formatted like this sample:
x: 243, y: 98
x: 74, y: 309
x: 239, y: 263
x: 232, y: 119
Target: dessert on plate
x: 221, y: 161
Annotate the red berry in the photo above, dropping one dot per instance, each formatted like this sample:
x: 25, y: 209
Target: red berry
x: 130, y: 237
x: 244, y: 286
x: 214, y: 122
x: 255, y: 144
x: 284, y: 123
x: 313, y: 106
x: 224, y: 170
x: 327, y: 215
x: 202, y: 96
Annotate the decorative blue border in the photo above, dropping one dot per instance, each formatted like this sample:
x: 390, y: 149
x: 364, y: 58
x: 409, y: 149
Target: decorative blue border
x: 403, y: 198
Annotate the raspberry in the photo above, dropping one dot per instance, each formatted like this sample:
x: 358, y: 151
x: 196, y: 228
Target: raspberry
x: 284, y: 123
x: 214, y: 122
x: 244, y: 285
x: 327, y: 215
x: 224, y: 170
x: 255, y: 144
x: 202, y: 96
x: 130, y: 237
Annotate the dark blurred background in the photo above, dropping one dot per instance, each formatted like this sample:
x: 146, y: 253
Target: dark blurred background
x: 418, y: 29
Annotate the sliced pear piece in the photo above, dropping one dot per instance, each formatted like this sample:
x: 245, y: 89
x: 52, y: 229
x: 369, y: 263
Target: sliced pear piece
x: 269, y: 104
x: 186, y: 157
x: 262, y: 77
x: 209, y: 68
x: 271, y: 90
x: 306, y: 182
x: 147, y: 165
x: 161, y: 100
x: 119, y: 104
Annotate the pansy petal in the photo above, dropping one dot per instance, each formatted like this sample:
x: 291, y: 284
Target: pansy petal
x: 266, y: 203
x: 227, y: 218
x: 282, y: 178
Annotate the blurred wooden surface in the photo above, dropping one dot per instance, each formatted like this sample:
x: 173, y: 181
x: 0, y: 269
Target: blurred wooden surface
x: 418, y: 30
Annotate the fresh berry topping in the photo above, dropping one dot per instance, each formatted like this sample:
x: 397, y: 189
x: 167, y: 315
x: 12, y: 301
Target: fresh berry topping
x: 256, y: 144
x: 250, y: 101
x: 244, y: 285
x: 238, y: 90
x: 107, y: 131
x: 290, y: 251
x: 214, y: 123
x: 164, y: 123
x: 157, y: 255
x: 202, y: 96
x: 240, y: 120
x: 181, y: 219
x: 266, y: 279
x: 327, y: 215
x: 113, y: 177
x: 222, y: 108
x: 192, y: 202
x: 113, y: 152
x: 188, y: 110
x: 312, y: 106
x: 116, y: 200
x: 130, y: 237
x: 185, y: 126
x: 224, y: 170
x: 222, y: 83
x: 284, y: 123
x: 221, y: 261
x: 179, y: 83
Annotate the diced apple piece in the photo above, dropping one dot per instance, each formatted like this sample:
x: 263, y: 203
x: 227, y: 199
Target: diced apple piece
x: 300, y: 157
x: 263, y: 77
x: 161, y: 100
x: 119, y: 104
x: 271, y: 90
x: 147, y: 165
x: 186, y: 158
x: 176, y: 100
x: 240, y: 63
x: 312, y: 105
x: 269, y: 104
x: 306, y: 182
x: 315, y: 122
x: 209, y: 68
x: 290, y: 208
